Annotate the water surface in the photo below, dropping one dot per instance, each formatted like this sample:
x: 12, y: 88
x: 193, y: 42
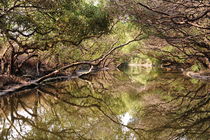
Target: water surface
x: 136, y: 103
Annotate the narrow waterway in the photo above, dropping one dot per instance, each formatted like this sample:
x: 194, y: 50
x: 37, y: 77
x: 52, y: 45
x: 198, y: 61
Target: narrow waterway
x: 131, y: 104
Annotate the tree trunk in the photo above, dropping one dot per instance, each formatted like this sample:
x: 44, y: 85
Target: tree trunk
x: 2, y: 66
x: 11, y: 65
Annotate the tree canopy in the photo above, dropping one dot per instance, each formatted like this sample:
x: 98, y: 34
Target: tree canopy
x: 42, y: 34
x: 28, y: 27
x: 184, y: 25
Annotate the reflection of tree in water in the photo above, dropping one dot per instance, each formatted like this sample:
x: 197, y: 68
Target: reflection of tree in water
x: 183, y: 112
x: 66, y: 110
x: 90, y: 109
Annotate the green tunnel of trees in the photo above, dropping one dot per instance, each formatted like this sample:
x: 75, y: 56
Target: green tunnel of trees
x: 38, y: 35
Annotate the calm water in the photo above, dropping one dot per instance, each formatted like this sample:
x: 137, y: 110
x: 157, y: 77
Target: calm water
x: 133, y: 104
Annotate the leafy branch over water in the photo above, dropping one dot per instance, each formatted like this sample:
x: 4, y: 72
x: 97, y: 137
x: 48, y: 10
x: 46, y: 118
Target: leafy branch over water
x: 94, y: 65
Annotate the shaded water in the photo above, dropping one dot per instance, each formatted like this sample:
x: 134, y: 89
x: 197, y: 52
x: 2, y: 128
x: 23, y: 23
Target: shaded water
x: 134, y: 104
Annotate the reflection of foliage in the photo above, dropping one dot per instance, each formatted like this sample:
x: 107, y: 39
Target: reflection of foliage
x: 165, y: 108
x: 182, y: 110
x: 141, y: 74
x: 70, y: 110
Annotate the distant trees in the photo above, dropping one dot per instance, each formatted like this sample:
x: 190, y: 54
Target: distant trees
x: 184, y: 25
x: 30, y: 27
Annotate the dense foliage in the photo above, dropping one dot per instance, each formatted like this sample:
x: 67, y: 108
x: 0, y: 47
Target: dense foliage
x: 175, y: 33
x: 56, y: 80
x: 28, y: 27
x: 178, y: 30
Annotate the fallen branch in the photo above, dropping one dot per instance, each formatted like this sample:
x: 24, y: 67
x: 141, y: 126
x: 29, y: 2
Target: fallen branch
x: 41, y: 80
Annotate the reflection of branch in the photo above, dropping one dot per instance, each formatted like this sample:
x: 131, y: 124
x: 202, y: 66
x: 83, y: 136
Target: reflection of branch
x: 40, y: 128
x: 12, y: 125
x: 96, y: 105
x: 65, y: 101
x: 134, y: 129
x: 24, y: 106
x: 189, y: 114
